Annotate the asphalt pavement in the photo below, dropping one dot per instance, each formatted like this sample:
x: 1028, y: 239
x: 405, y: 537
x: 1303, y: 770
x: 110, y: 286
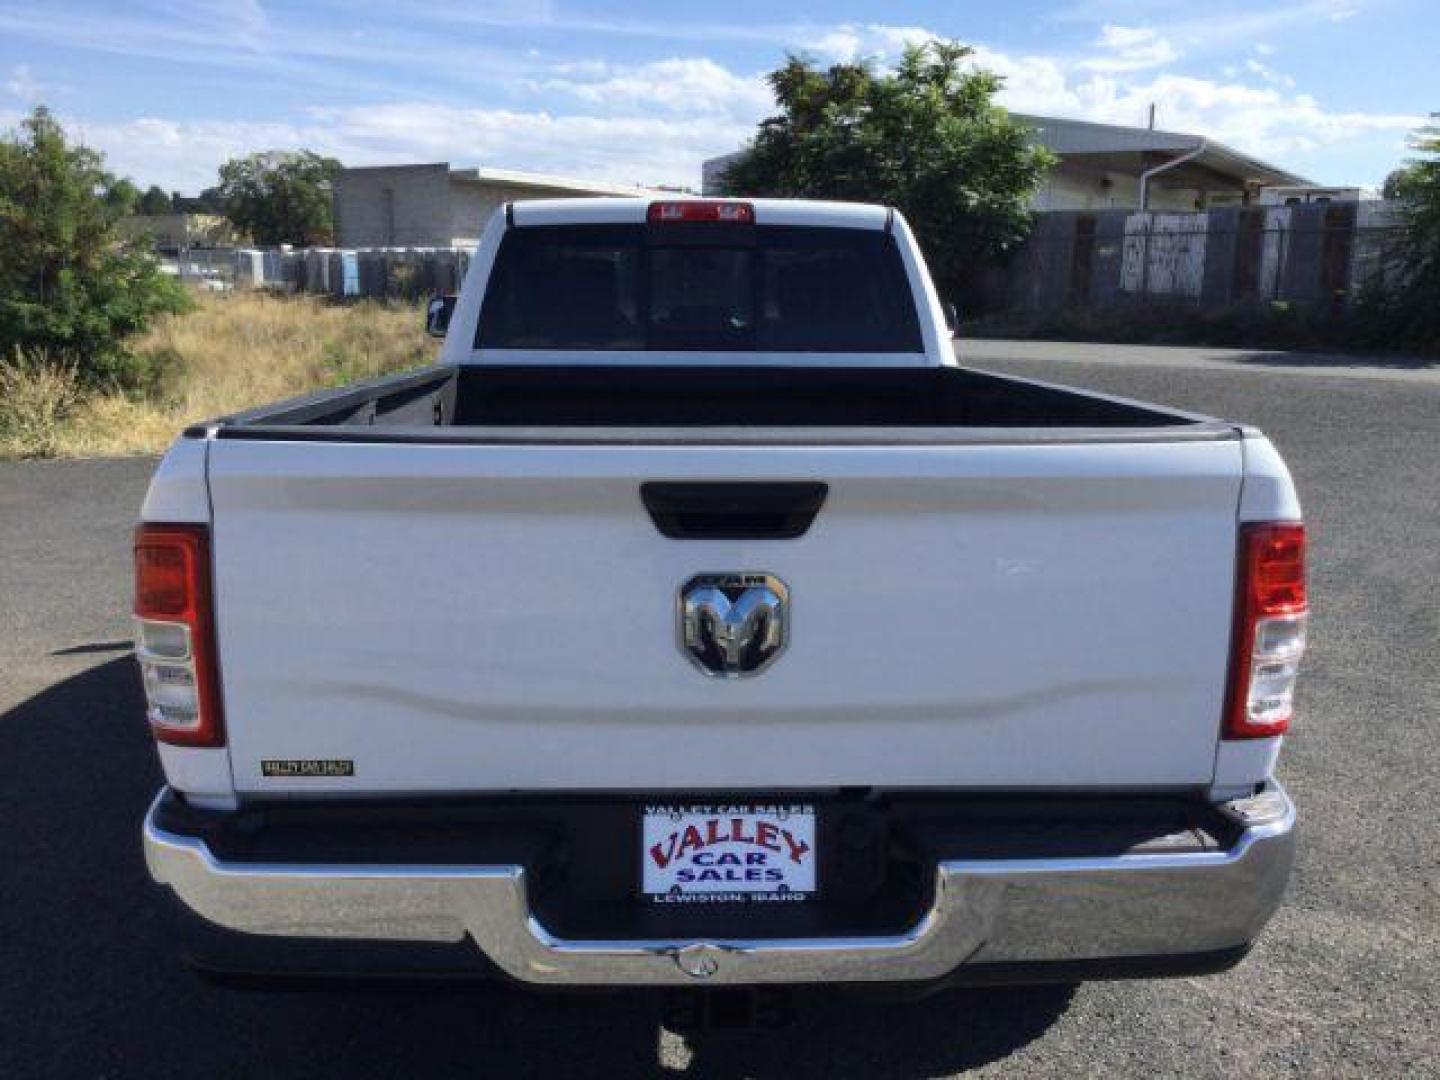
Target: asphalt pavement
x: 1345, y: 981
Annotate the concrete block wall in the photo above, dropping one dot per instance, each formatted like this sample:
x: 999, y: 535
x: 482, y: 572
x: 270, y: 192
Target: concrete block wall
x: 473, y: 201
x: 471, y: 205
x: 420, y: 206
x: 393, y: 206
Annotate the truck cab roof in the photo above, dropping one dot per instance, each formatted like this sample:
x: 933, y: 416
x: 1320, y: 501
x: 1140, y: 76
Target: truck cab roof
x: 873, y: 243
x: 624, y: 211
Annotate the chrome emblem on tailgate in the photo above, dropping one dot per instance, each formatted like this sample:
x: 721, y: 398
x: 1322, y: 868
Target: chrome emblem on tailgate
x: 732, y: 625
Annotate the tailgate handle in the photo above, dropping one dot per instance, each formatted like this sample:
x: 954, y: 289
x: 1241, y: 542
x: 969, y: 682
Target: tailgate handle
x: 692, y: 510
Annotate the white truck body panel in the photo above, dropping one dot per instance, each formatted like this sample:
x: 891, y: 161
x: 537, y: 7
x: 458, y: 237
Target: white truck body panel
x: 458, y: 618
x: 177, y: 491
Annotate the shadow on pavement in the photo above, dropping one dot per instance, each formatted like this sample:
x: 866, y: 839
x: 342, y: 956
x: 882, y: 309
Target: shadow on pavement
x: 91, y: 983
x: 95, y: 647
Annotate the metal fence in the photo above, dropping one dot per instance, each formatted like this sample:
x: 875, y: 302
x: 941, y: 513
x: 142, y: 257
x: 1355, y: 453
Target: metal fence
x: 1304, y: 255
x: 376, y: 273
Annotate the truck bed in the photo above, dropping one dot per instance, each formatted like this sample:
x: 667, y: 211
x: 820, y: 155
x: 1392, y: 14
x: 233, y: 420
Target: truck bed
x: 629, y: 404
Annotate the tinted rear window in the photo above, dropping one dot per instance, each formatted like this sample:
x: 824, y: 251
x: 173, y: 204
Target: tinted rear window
x: 699, y: 288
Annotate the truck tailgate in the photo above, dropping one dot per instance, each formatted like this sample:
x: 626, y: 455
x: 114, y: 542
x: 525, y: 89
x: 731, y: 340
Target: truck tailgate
x: 463, y: 618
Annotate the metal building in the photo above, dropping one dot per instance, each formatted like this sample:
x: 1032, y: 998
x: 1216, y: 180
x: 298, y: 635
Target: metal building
x: 1106, y: 166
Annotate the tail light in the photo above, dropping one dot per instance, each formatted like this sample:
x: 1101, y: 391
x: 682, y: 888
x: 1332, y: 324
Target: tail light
x: 735, y: 213
x: 175, y: 634
x: 1270, y: 616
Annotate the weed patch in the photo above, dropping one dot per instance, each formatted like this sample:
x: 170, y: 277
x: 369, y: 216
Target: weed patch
x: 226, y: 353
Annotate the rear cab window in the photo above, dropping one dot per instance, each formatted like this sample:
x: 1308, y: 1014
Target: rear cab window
x: 699, y: 287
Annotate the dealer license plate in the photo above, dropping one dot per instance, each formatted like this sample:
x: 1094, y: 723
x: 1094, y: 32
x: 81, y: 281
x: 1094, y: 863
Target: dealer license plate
x: 719, y: 853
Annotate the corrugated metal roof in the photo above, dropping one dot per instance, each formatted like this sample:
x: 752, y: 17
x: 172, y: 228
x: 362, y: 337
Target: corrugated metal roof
x: 1070, y: 138
x: 1083, y: 137
x: 1079, y: 138
x: 517, y: 178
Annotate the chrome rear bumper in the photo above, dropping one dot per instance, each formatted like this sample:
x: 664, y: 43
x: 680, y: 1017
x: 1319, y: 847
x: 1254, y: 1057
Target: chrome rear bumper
x: 993, y: 911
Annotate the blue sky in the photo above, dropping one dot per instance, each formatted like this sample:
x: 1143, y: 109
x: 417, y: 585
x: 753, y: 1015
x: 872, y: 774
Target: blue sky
x: 642, y: 92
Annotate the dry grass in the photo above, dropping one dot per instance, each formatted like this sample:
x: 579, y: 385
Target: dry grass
x: 38, y: 399
x: 232, y: 352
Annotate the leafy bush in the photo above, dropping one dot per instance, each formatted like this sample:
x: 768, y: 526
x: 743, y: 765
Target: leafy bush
x: 158, y: 374
x: 1407, y: 312
x: 70, y: 290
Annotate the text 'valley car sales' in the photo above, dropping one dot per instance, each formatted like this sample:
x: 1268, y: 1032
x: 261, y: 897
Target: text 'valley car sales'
x: 729, y: 852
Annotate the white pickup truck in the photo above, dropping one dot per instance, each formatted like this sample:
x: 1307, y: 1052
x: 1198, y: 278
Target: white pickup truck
x: 698, y: 617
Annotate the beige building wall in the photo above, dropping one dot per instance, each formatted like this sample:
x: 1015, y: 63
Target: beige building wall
x: 426, y: 205
x: 393, y: 206
x: 1069, y: 188
x: 472, y: 202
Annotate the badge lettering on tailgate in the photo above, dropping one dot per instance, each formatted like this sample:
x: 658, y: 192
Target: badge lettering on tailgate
x: 307, y: 767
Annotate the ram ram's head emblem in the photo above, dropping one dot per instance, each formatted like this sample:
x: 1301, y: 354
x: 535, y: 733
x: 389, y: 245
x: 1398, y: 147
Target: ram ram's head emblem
x: 734, y: 624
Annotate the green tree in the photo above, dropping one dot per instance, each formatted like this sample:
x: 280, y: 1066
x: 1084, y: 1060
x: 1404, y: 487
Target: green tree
x: 123, y: 196
x: 208, y: 201
x: 926, y: 138
x: 1394, y: 181
x: 279, y: 197
x: 1403, y: 309
x: 155, y: 201
x: 70, y: 289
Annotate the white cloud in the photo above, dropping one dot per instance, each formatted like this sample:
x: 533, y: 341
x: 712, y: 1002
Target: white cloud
x: 1218, y: 24
x: 1268, y: 121
x: 583, y: 69
x: 237, y: 22
x: 1131, y: 48
x: 695, y: 86
x: 854, y: 41
x: 1032, y: 83
x: 23, y: 85
x: 1269, y: 74
x: 185, y: 155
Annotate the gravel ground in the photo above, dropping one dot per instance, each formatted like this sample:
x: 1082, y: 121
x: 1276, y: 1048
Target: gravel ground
x: 1343, y: 983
